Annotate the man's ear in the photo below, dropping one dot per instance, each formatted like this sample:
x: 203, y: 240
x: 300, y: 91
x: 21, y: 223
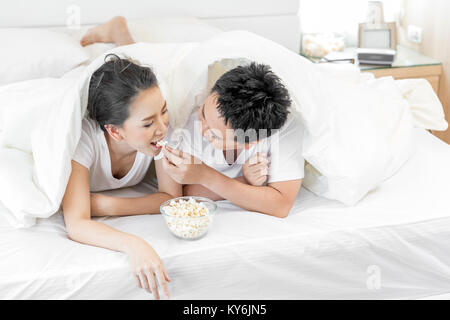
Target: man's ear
x: 113, y: 132
x: 248, y: 145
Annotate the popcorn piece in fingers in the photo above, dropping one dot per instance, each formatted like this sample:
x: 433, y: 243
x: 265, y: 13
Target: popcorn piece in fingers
x: 161, y: 143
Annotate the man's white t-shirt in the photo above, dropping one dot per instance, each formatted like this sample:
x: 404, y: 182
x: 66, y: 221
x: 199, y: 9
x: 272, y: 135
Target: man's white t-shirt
x: 93, y: 153
x: 284, y: 149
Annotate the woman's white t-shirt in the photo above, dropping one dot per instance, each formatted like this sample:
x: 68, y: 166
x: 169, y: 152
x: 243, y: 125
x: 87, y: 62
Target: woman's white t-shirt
x: 93, y: 153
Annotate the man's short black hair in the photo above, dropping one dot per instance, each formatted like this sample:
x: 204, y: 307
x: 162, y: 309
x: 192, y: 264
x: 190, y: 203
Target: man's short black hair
x: 252, y: 98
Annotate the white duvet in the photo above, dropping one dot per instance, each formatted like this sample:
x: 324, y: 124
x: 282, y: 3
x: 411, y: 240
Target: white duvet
x: 358, y: 129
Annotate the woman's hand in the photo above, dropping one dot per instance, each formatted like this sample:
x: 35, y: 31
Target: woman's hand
x: 256, y: 169
x: 148, y: 268
x: 145, y: 262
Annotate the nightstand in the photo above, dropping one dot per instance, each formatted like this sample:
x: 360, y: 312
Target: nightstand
x: 408, y: 64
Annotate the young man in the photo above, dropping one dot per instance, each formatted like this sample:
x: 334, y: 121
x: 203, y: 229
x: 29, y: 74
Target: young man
x: 241, y: 137
x: 241, y: 144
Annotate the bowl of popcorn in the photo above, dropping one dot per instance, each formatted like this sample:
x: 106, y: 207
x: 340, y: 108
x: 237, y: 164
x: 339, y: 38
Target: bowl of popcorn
x: 188, y: 217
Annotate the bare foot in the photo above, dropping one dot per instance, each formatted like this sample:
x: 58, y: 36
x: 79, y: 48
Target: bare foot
x: 114, y: 31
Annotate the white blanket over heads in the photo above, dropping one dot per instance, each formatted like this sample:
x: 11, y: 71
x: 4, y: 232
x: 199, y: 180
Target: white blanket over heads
x: 40, y: 121
x: 358, y: 129
x: 40, y: 126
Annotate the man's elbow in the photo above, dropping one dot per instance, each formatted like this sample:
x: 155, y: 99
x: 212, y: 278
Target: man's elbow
x: 283, y: 213
x: 282, y: 204
x: 285, y: 206
x: 282, y: 210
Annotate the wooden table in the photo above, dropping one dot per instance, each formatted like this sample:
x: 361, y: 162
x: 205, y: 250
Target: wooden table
x: 408, y: 64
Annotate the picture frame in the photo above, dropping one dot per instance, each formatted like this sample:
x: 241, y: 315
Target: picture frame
x: 377, y: 36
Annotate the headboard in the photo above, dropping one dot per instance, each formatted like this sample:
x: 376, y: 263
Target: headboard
x: 277, y: 20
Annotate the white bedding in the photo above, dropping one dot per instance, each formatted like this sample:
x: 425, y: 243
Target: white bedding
x: 333, y: 103
x: 323, y: 250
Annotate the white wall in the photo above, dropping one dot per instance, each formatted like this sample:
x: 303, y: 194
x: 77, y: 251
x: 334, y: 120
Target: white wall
x: 341, y: 16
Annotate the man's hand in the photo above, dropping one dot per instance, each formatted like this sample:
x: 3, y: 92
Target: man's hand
x: 256, y: 169
x: 183, y: 167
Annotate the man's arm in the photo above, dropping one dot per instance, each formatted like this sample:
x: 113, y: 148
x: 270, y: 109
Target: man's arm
x: 275, y: 199
x: 200, y: 191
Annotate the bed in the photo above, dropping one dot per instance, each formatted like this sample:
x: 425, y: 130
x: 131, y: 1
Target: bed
x: 391, y: 245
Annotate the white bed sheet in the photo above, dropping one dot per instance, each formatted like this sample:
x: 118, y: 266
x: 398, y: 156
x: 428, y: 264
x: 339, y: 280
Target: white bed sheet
x: 393, y: 244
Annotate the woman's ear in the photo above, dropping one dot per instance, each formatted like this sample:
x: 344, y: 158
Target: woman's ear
x: 113, y: 132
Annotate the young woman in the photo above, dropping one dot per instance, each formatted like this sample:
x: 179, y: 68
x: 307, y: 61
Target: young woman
x: 127, y: 117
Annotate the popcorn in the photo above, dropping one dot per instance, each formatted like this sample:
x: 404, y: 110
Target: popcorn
x: 186, y: 208
x: 187, y: 219
x: 161, y: 143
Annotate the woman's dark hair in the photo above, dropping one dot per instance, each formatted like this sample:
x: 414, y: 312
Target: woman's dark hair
x: 114, y: 86
x: 252, y: 97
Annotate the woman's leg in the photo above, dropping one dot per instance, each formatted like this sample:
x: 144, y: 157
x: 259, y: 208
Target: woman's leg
x: 114, y: 31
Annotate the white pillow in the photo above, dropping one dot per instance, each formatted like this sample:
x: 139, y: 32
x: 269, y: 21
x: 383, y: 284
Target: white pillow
x: 425, y: 106
x: 33, y: 53
x: 362, y: 136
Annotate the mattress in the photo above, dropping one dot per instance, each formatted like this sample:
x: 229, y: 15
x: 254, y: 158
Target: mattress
x: 394, y: 244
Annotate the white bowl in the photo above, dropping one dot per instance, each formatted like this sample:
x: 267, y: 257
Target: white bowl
x: 189, y: 228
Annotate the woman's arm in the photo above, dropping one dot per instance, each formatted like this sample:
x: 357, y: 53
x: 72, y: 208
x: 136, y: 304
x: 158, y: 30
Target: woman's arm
x: 165, y: 183
x: 103, y: 205
x: 145, y: 262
